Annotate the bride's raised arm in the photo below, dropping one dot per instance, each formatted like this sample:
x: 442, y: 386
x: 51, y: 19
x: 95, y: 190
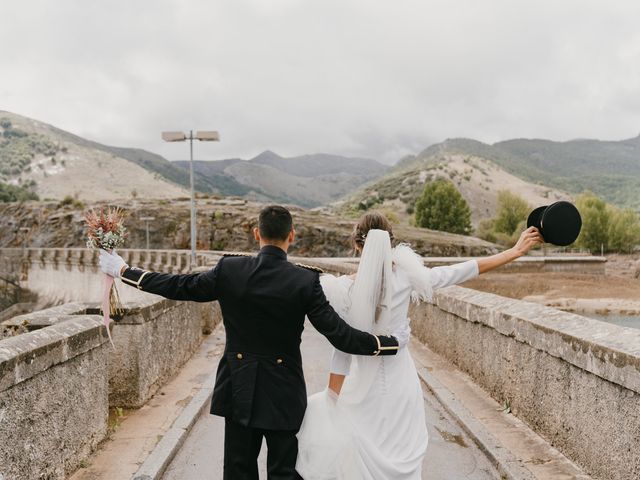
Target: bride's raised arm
x: 425, y: 280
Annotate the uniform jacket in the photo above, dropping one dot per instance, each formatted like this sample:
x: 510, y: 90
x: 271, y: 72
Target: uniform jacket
x: 264, y: 301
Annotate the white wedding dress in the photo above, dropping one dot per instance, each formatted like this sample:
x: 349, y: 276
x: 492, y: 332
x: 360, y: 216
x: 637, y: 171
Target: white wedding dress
x: 375, y: 429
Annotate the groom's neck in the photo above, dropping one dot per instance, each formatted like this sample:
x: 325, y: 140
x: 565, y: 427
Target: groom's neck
x: 281, y: 246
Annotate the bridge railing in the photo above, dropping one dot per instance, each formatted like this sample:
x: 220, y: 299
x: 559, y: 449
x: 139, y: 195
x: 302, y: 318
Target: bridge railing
x: 178, y: 261
x: 58, y: 380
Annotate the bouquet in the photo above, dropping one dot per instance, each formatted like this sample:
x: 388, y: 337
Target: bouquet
x: 106, y: 230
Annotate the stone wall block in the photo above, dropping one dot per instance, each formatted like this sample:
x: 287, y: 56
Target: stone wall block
x: 152, y: 344
x: 52, y: 422
x: 573, y: 380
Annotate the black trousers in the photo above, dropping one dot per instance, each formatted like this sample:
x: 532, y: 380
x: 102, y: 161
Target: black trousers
x: 242, y: 446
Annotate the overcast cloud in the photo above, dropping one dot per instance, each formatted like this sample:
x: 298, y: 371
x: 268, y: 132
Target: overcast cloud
x: 355, y: 77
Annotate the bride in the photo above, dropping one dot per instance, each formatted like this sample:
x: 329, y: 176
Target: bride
x: 369, y: 424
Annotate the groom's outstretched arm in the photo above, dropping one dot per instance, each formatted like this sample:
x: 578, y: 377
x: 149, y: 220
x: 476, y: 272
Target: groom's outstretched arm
x: 341, y: 335
x: 197, y: 287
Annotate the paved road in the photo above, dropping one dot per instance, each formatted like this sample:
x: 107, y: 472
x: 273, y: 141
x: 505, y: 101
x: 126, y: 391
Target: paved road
x: 451, y: 454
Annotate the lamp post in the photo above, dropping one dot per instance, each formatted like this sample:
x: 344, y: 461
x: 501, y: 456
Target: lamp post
x: 147, y: 220
x: 203, y: 136
x: 25, y: 237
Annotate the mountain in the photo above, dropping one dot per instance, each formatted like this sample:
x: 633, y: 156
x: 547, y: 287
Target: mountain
x: 611, y: 169
x: 55, y: 164
x: 541, y: 171
x: 478, y: 179
x: 40, y: 158
x: 307, y: 180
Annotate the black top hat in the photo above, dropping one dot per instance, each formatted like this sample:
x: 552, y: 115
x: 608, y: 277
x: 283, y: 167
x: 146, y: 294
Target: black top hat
x: 559, y: 223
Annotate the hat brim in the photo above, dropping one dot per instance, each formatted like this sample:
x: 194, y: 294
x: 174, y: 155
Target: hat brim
x: 561, y: 224
x: 535, y: 218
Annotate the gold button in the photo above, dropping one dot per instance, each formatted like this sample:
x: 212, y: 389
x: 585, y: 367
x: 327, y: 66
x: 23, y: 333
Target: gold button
x: 279, y: 360
x: 239, y: 356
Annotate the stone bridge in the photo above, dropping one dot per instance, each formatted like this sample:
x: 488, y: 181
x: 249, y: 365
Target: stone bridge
x: 512, y: 389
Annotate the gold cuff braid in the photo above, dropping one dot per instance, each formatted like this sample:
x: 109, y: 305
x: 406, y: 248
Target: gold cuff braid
x: 132, y: 283
x: 381, y: 348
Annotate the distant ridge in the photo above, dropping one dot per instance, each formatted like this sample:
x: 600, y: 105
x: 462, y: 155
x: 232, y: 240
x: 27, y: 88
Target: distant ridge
x: 305, y: 180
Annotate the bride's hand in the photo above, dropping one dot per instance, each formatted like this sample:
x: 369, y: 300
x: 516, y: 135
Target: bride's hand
x: 528, y: 239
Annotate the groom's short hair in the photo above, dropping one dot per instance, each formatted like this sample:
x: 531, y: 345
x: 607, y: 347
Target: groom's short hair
x: 275, y: 223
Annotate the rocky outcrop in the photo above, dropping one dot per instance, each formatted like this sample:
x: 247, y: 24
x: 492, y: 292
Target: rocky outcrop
x: 223, y: 224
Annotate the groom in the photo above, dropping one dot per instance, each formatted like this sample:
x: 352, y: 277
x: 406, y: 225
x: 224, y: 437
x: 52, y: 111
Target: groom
x: 260, y: 387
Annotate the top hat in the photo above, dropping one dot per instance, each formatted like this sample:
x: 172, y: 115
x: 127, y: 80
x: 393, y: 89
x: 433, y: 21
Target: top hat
x: 558, y: 223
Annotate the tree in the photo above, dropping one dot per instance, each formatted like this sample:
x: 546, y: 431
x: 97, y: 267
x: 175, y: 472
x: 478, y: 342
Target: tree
x: 595, y: 222
x: 441, y: 207
x: 512, y: 210
x: 624, y: 230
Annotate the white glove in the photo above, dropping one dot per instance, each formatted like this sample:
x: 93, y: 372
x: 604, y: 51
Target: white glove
x: 403, y: 334
x: 111, y: 263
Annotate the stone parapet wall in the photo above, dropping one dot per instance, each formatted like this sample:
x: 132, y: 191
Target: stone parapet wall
x: 10, y: 262
x: 58, y: 380
x: 170, y: 261
x: 62, y: 275
x: 153, y: 340
x: 53, y: 398
x: 530, y: 264
x: 574, y: 380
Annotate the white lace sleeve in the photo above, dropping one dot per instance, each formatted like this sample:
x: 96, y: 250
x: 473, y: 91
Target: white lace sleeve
x: 336, y: 289
x: 425, y: 280
x: 340, y: 363
x: 453, y: 274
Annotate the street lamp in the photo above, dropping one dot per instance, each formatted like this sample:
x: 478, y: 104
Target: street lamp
x: 203, y: 136
x: 147, y: 220
x: 25, y: 230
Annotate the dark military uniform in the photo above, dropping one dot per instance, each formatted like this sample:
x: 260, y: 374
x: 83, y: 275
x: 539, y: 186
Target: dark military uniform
x: 260, y: 387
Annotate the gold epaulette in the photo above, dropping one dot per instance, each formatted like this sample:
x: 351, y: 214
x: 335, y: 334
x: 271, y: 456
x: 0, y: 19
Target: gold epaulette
x: 310, y: 267
x: 237, y: 254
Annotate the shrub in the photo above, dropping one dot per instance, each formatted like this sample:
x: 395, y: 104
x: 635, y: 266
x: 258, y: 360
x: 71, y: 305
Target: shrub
x: 606, y: 227
x: 11, y: 193
x: 510, y: 220
x: 391, y: 216
x: 442, y: 207
x: 69, y: 201
x: 624, y: 230
x: 595, y: 222
x: 512, y: 210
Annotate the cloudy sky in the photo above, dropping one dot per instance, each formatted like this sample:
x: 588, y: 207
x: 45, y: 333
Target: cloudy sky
x: 358, y: 77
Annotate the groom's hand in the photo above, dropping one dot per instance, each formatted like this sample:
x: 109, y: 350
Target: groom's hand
x: 402, y: 334
x: 112, y: 263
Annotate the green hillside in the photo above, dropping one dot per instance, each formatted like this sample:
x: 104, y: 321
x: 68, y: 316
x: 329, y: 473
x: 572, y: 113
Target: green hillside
x: 611, y: 169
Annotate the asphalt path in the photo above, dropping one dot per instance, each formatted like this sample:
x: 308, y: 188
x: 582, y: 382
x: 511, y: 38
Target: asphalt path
x: 451, y: 455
